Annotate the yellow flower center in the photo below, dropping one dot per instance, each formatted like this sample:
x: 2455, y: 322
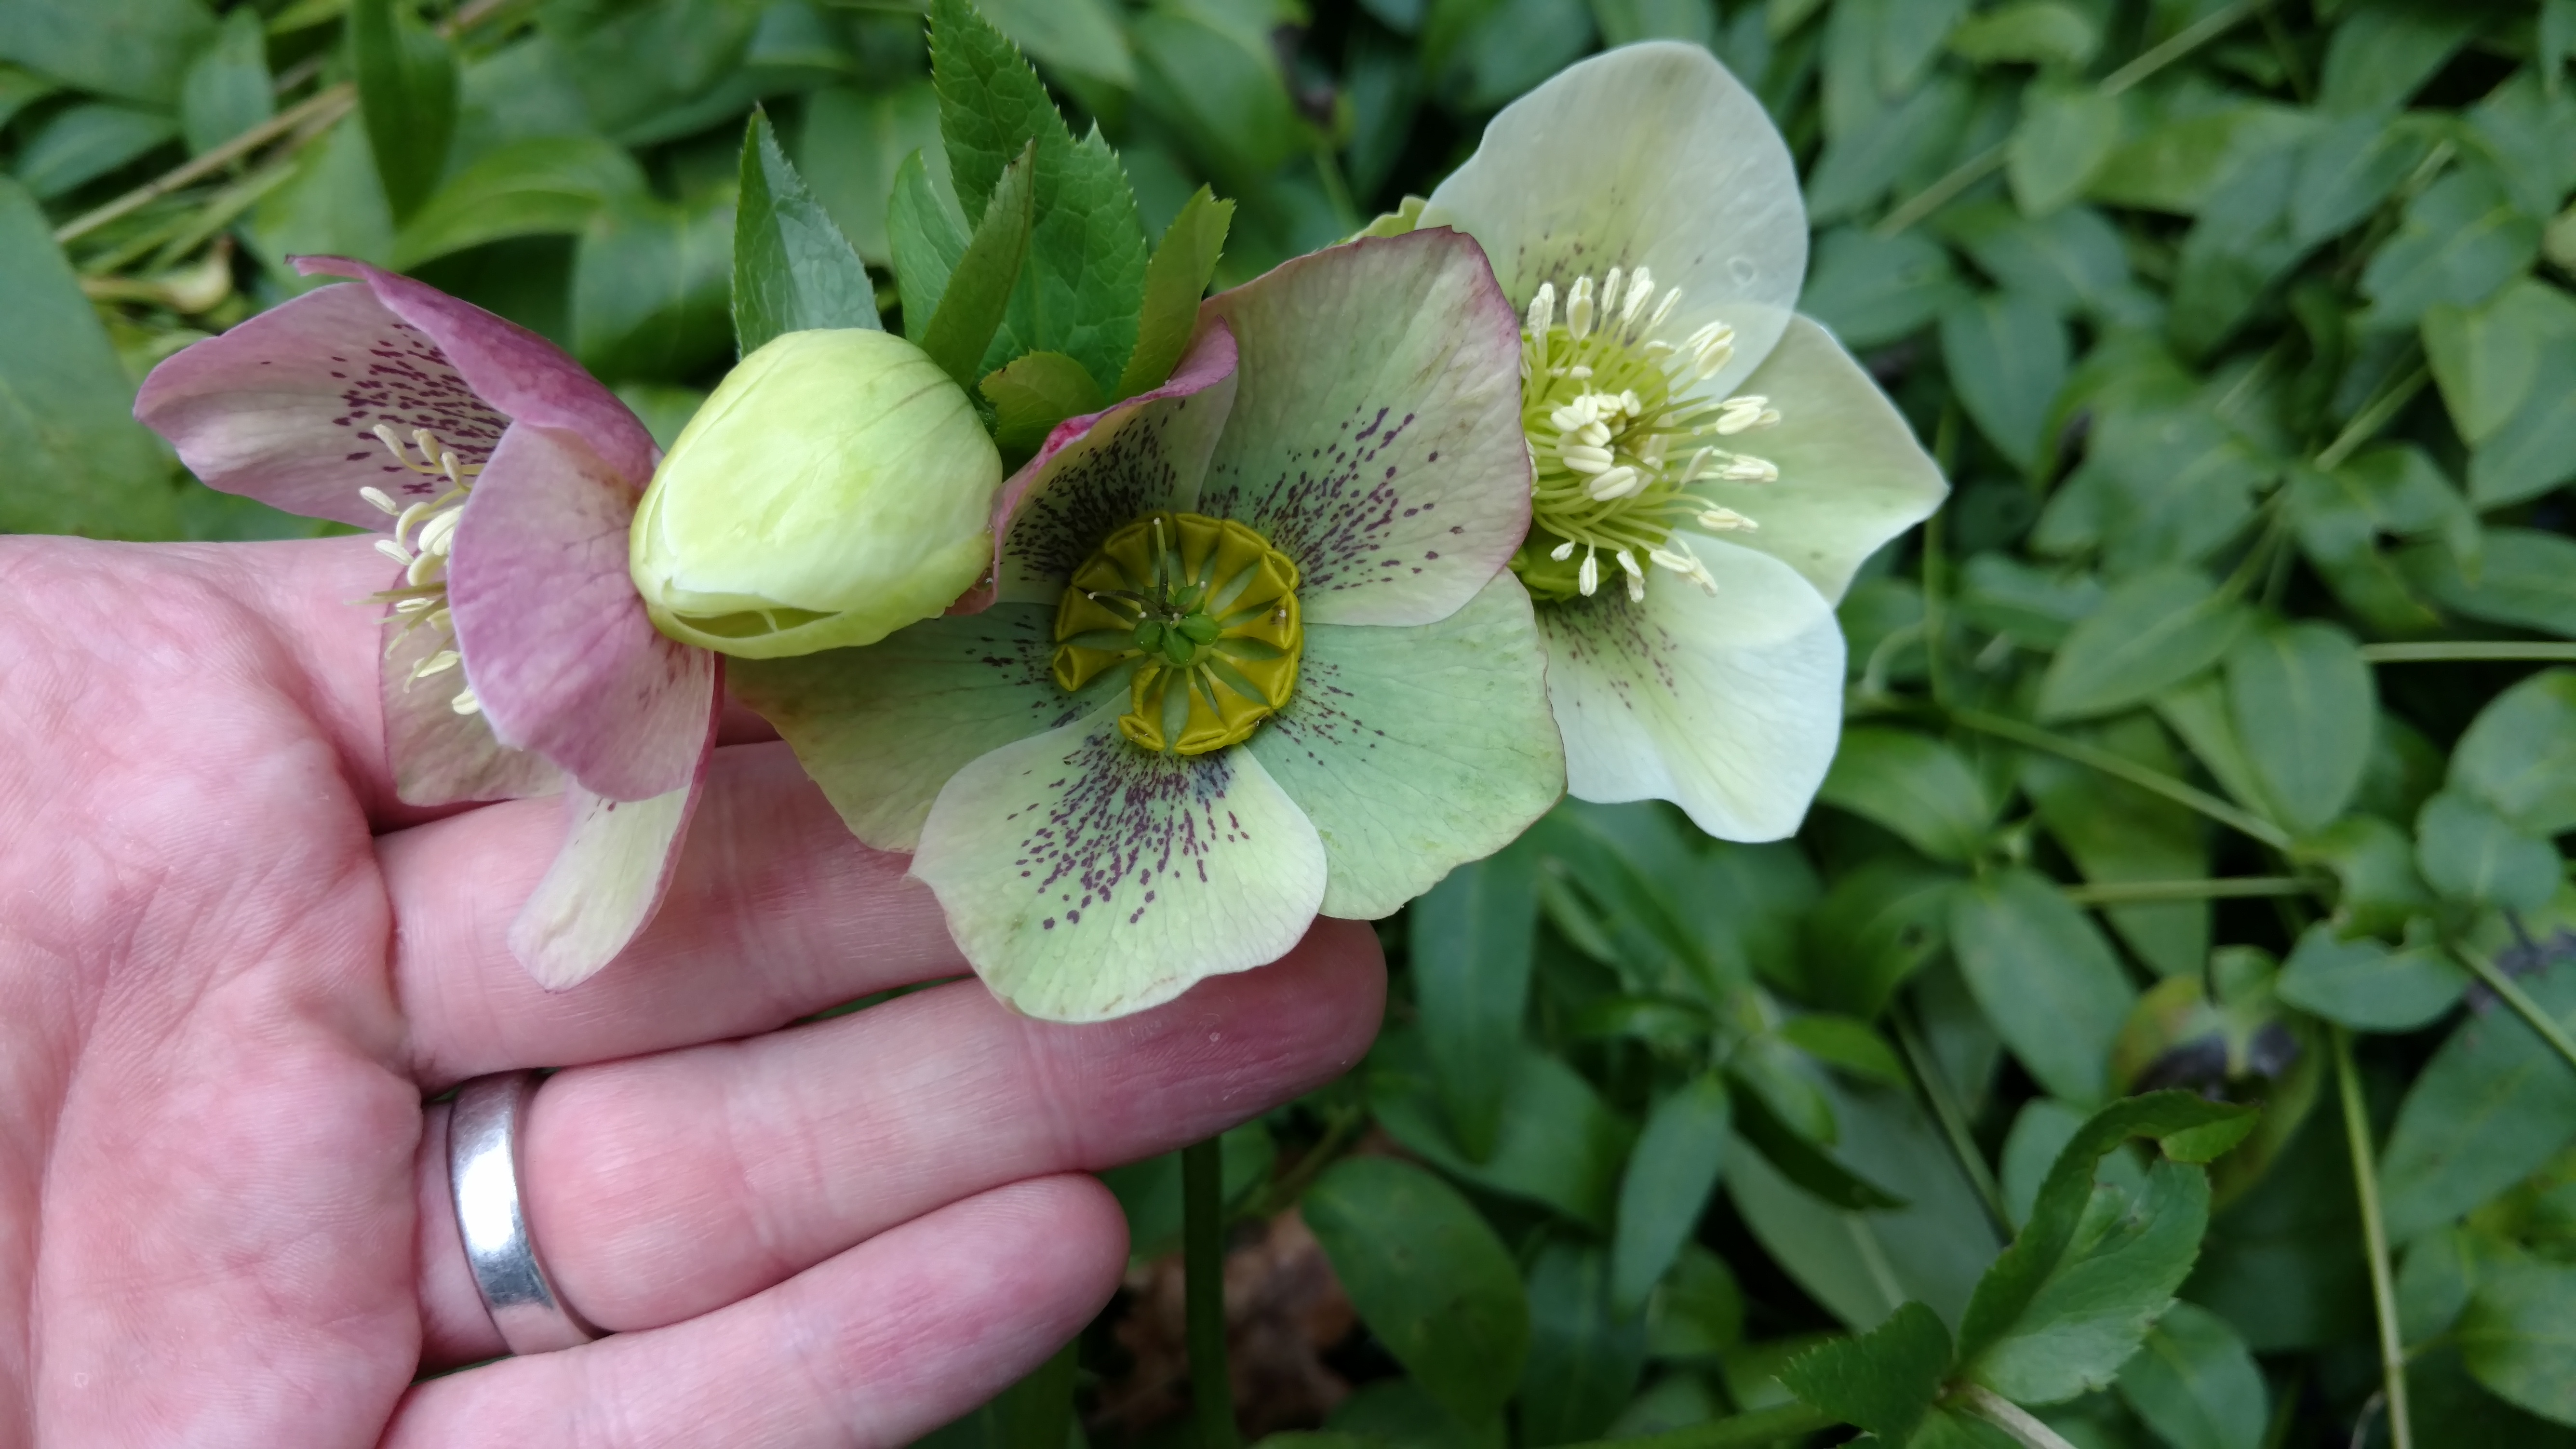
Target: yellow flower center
x: 1617, y: 439
x: 1206, y: 609
x: 424, y: 538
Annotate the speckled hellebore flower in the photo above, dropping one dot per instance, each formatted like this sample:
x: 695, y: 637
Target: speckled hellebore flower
x: 503, y: 479
x: 1710, y: 467
x: 835, y: 488
x: 1251, y: 655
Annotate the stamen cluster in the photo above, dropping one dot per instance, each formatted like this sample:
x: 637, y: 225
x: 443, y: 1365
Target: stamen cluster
x: 1617, y: 439
x: 424, y: 537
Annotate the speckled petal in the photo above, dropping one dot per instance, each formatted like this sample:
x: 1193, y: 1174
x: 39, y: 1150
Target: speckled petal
x: 1729, y: 706
x: 881, y: 729
x: 440, y: 757
x: 1648, y: 155
x: 281, y: 408
x: 1086, y: 878
x: 513, y: 370
x: 1851, y: 474
x: 1376, y: 434
x: 1416, y: 749
x: 556, y: 642
x: 1104, y: 470
x: 605, y: 884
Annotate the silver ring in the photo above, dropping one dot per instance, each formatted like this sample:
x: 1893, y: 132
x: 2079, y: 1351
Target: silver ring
x: 483, y: 1175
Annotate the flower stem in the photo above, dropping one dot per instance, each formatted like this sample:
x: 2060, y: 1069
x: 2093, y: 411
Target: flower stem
x: 2453, y: 650
x: 2024, y: 1427
x: 2120, y: 767
x: 2151, y: 892
x: 1761, y: 1427
x: 2517, y: 998
x: 2366, y: 424
x: 2183, y: 42
x: 332, y: 103
x: 2374, y: 1235
x: 1944, y: 1097
x: 1942, y: 192
x: 1203, y: 1264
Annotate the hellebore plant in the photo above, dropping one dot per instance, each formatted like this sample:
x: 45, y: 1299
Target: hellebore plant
x: 503, y: 478
x: 1710, y: 467
x: 1251, y: 652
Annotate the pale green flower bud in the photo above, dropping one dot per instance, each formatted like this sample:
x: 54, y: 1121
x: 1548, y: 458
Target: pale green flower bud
x: 835, y: 488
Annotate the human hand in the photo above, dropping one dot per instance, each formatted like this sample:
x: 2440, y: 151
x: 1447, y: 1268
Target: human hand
x: 232, y: 966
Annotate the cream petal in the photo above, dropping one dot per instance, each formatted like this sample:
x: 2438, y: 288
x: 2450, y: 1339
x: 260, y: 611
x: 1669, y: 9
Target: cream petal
x: 1726, y: 704
x: 605, y: 885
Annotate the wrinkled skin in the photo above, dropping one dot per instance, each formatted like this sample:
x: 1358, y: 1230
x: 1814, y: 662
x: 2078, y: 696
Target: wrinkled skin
x: 232, y: 969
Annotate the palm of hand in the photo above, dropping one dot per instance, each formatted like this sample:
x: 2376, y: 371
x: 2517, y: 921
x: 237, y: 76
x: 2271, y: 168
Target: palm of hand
x: 232, y: 966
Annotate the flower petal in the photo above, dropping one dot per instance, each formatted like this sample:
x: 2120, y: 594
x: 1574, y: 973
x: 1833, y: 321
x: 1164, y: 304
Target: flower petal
x: 1104, y: 470
x: 1416, y: 749
x: 1086, y: 878
x: 883, y: 728
x: 1376, y: 435
x: 281, y: 408
x: 527, y: 378
x: 1851, y: 474
x: 440, y: 757
x: 556, y: 642
x: 605, y: 884
x: 1727, y: 705
x: 1649, y: 155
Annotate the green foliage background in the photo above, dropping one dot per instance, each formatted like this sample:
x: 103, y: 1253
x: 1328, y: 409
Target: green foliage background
x: 2207, y: 740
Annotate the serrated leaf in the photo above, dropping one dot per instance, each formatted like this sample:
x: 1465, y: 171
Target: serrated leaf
x: 2155, y: 630
x: 1470, y: 938
x: 1882, y: 1381
x: 1029, y: 397
x: 1175, y: 280
x: 927, y: 234
x: 793, y: 271
x: 978, y: 291
x: 406, y: 96
x: 1666, y: 1186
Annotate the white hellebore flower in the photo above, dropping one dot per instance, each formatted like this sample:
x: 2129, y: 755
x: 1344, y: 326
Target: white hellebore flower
x: 1710, y: 467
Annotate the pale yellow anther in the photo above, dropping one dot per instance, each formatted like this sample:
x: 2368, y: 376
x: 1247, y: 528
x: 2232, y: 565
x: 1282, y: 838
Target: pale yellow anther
x: 438, y: 663
x: 1610, y: 293
x: 394, y: 551
x: 1726, y: 520
x: 1542, y: 309
x: 1585, y: 458
x: 1562, y: 551
x: 1622, y: 481
x: 1578, y: 311
x: 1589, y: 577
x: 380, y: 500
x: 465, y: 702
x: 1641, y: 290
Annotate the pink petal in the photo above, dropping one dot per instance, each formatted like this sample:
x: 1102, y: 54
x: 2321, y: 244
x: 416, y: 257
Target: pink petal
x: 440, y: 757
x: 1105, y: 469
x: 607, y: 881
x: 281, y: 408
x: 555, y: 640
x: 527, y: 378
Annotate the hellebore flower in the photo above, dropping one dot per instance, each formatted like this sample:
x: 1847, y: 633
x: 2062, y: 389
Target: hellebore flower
x: 503, y: 478
x: 1251, y: 653
x: 1710, y: 467
x: 836, y: 487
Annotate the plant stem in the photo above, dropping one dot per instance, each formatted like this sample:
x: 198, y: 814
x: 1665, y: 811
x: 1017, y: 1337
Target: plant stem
x: 1939, y: 1091
x: 2119, y: 767
x: 2451, y: 650
x: 2517, y: 998
x: 1203, y: 1264
x: 1942, y: 192
x: 2183, y: 42
x: 2150, y: 892
x: 335, y: 102
x: 2374, y: 1235
x: 2366, y: 424
x: 1740, y: 1431
x: 2010, y: 1417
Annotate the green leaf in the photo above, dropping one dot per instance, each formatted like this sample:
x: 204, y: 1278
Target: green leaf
x: 992, y: 108
x: 2072, y: 259
x: 1666, y: 1186
x: 1914, y: 785
x: 406, y: 96
x: 1149, y: 1192
x: 1080, y: 36
x: 2196, y: 1385
x: 1797, y: 1156
x: 1585, y: 1355
x: 2029, y: 32
x: 2493, y: 1104
x: 2068, y: 130
x: 1878, y: 926
x: 2036, y: 606
x: 227, y: 90
x: 2073, y: 1296
x: 2462, y: 238
x: 1037, y: 391
x: 1625, y: 22
x: 2380, y: 54
x: 1428, y: 1277
x: 2373, y: 863
x: 2470, y: 854
x: 2007, y: 356
x: 2519, y: 754
x: 1857, y: 168
x: 649, y: 288
x: 1216, y: 84
x: 1697, y: 1312
x: 1846, y: 1042
x: 851, y: 145
x: 793, y: 271
x: 2154, y: 630
x: 978, y: 293
x: 81, y: 143
x: 2368, y: 987
x: 2174, y: 165
x: 927, y: 234
x: 2347, y: 169
x: 19, y: 89
x: 2523, y: 577
x: 2116, y: 832
x: 2045, y: 977
x: 1175, y: 280
x: 1470, y: 938
x: 2516, y: 1337
x: 2506, y: 369
x: 78, y: 462
x: 2242, y: 245
x: 1557, y: 1144
x: 1881, y: 1381
x: 134, y: 49
x: 1873, y: 290
x: 2304, y: 704
x: 541, y: 186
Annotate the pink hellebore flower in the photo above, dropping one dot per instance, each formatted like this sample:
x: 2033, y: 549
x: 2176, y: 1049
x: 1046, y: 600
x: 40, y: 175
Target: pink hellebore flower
x: 504, y: 479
